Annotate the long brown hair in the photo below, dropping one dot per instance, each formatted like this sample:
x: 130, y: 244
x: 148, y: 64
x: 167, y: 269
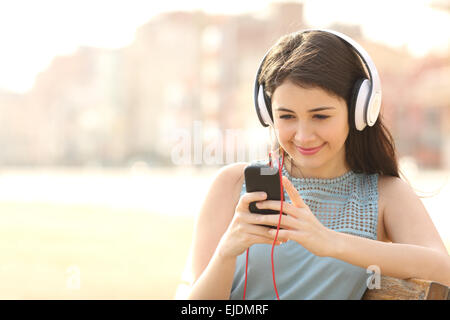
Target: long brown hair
x: 321, y: 59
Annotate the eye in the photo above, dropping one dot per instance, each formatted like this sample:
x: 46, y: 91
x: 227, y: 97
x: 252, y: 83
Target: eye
x: 319, y: 116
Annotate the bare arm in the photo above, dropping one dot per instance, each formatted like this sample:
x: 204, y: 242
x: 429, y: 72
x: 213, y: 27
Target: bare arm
x: 224, y: 229
x: 212, y: 221
x: 215, y: 281
x: 397, y: 260
x: 417, y: 250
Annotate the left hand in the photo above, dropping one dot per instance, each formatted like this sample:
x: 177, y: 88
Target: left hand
x: 299, y: 223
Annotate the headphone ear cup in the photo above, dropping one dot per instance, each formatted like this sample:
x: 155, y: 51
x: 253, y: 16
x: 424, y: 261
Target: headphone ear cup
x: 268, y: 104
x: 358, y: 104
x: 264, y: 108
x: 259, y: 105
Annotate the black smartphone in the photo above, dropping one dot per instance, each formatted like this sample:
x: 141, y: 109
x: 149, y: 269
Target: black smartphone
x: 266, y: 179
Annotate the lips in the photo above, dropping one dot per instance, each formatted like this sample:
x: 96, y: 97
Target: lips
x: 309, y: 151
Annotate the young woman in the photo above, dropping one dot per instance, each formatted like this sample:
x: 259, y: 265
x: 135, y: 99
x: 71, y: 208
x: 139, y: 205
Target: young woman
x: 347, y: 209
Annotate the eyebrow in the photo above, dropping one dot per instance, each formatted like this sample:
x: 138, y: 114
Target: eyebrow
x: 311, y: 110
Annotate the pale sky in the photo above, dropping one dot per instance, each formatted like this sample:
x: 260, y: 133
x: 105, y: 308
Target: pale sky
x: 33, y: 32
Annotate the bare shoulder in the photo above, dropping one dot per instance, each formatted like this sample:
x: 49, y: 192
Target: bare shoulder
x: 222, y: 197
x: 395, y: 191
x: 387, y: 191
x: 392, y: 183
x: 223, y: 193
x: 392, y: 188
x: 387, y: 185
x: 232, y: 173
x: 228, y: 181
x: 405, y: 218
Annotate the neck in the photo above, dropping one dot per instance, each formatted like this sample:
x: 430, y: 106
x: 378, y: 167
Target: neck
x: 330, y: 172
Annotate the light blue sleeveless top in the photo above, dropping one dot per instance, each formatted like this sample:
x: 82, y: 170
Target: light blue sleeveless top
x: 347, y: 204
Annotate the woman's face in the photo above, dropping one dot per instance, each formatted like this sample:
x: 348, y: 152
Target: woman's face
x: 299, y: 123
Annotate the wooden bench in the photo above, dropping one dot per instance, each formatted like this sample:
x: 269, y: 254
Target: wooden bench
x: 390, y: 289
x: 411, y: 289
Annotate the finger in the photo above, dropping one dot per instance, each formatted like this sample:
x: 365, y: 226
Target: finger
x: 263, y: 240
x: 249, y: 197
x: 283, y: 235
x: 286, y: 222
x: 258, y: 230
x: 293, y: 193
x: 251, y: 218
x: 257, y: 233
x: 288, y: 208
x: 262, y: 222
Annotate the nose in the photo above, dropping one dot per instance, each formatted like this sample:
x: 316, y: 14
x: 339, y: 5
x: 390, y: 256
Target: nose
x: 305, y: 135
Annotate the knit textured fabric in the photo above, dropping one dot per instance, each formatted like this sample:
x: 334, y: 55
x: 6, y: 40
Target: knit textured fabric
x: 347, y: 204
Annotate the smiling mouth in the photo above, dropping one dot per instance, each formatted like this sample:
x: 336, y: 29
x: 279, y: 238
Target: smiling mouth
x: 310, y: 149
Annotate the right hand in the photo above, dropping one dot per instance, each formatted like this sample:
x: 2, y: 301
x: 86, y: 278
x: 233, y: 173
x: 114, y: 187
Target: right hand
x: 244, y: 230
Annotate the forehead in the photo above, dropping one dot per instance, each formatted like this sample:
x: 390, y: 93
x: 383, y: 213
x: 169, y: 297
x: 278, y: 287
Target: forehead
x: 297, y: 98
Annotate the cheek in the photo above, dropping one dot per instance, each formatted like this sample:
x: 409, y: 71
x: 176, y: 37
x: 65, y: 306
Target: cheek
x: 337, y: 132
x: 285, y: 130
x: 334, y: 132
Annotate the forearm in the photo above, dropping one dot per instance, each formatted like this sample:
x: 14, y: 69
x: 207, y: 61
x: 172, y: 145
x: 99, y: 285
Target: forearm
x: 216, y: 280
x: 394, y: 259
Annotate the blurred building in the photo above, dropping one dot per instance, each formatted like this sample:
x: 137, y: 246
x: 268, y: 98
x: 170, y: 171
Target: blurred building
x: 190, y: 75
x: 74, y: 106
x: 15, y: 123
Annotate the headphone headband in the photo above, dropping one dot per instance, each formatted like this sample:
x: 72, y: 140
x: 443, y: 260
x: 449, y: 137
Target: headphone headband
x: 367, y: 99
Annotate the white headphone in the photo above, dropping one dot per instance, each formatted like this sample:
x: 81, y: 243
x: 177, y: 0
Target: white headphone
x: 366, y: 99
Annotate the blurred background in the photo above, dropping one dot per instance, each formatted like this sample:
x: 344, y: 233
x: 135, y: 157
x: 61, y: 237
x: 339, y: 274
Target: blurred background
x: 116, y: 115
